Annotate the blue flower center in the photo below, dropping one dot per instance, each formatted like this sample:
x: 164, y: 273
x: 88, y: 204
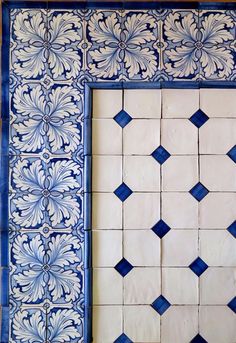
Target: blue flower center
x: 46, y: 193
x: 46, y: 118
x: 46, y: 267
x: 198, y: 45
x: 122, y: 45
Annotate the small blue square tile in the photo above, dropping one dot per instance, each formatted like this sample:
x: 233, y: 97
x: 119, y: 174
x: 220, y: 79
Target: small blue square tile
x: 198, y: 266
x: 232, y: 154
x: 199, y: 118
x: 161, y: 228
x: 123, y: 339
x: 161, y: 304
x: 122, y: 118
x: 199, y: 191
x: 123, y: 267
x: 232, y: 304
x: 198, y: 339
x: 232, y: 229
x: 123, y: 192
x: 160, y: 154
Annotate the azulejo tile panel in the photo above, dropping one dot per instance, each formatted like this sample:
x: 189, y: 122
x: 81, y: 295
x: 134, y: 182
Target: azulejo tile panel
x: 52, y: 54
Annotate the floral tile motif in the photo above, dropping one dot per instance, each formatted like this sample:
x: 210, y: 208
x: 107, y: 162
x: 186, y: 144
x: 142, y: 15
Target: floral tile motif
x: 216, y: 45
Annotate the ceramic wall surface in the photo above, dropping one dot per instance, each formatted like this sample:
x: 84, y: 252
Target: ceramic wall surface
x: 48, y: 57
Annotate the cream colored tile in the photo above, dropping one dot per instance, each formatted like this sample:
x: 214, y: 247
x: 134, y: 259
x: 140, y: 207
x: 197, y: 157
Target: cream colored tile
x: 106, y: 211
x: 142, y: 324
x: 143, y: 103
x: 179, y: 103
x: 106, y: 137
x: 142, y: 286
x: 141, y: 136
x: 218, y: 102
x: 107, y: 248
x: 107, y: 287
x: 179, y: 136
x: 107, y: 323
x: 106, y: 102
x: 141, y: 211
x: 217, y: 324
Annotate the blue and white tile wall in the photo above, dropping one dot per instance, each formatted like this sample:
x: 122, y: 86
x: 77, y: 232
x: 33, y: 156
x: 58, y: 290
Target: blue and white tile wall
x: 52, y: 54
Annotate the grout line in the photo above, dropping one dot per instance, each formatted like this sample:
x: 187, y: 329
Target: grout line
x: 199, y: 177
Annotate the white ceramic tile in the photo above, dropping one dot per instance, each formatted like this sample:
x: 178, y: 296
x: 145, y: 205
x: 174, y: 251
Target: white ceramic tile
x: 179, y: 103
x: 142, y: 286
x: 217, y: 136
x: 217, y: 286
x: 106, y: 102
x: 141, y: 136
x: 180, y: 210
x: 141, y: 173
x: 217, y: 324
x: 180, y: 286
x: 179, y: 136
x: 218, y: 248
x: 217, y: 210
x: 106, y: 137
x: 179, y: 248
x: 143, y: 103
x: 180, y: 173
x: 218, y: 173
x: 218, y: 102
x: 107, y: 287
x: 106, y: 173
x: 107, y: 323
x: 106, y: 211
x: 141, y: 324
x: 179, y: 324
x: 141, y: 211
x: 107, y: 248
x: 142, y: 248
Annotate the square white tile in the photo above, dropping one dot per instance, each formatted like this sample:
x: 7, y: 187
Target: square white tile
x: 217, y: 324
x: 142, y: 286
x: 107, y: 323
x: 106, y: 137
x: 179, y: 248
x: 107, y: 248
x: 141, y: 324
x: 107, y: 287
x: 218, y: 102
x: 143, y: 103
x: 180, y: 286
x: 141, y: 137
x: 106, y: 211
x: 142, y: 248
x: 106, y: 173
x: 141, y: 211
x: 106, y: 102
x: 217, y: 286
x: 179, y: 103
x: 179, y: 324
x: 217, y: 173
x: 180, y: 210
x: 217, y: 136
x: 217, y: 210
x: 180, y: 173
x: 141, y: 173
x: 179, y: 136
x: 218, y: 248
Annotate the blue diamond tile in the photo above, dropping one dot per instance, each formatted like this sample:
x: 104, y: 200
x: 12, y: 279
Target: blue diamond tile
x: 232, y: 229
x: 199, y: 118
x: 123, y: 339
x: 198, y: 339
x: 161, y: 228
x: 161, y: 304
x: 122, y: 118
x: 160, y: 154
x: 232, y: 154
x: 123, y: 192
x: 123, y: 267
x: 199, y: 191
x: 232, y: 304
x: 198, y: 266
